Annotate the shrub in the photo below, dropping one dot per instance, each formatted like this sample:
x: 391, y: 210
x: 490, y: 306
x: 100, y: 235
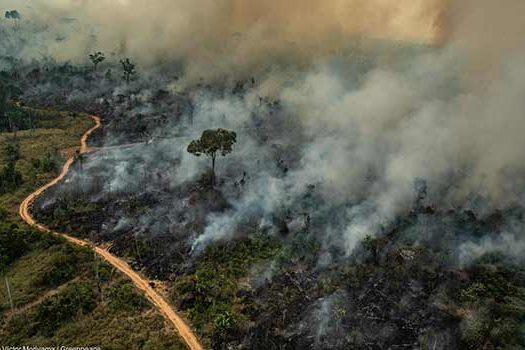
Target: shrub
x: 14, y: 242
x: 12, y: 152
x: 124, y: 297
x: 223, y: 322
x: 54, y: 312
x: 10, y: 178
x: 64, y: 268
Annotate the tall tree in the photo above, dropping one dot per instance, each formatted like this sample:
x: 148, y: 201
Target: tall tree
x: 97, y: 58
x: 129, y: 70
x: 213, y: 143
x: 3, y: 106
x: 14, y: 118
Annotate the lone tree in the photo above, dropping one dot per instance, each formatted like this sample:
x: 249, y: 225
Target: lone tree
x: 14, y: 15
x: 213, y: 143
x: 129, y: 70
x: 97, y: 58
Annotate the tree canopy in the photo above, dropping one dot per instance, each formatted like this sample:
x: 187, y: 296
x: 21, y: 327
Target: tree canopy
x: 13, y: 14
x: 213, y: 143
x: 97, y: 58
x: 128, y: 68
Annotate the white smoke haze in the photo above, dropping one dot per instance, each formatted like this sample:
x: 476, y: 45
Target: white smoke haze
x: 219, y: 37
x: 507, y: 244
x: 400, y: 126
x: 358, y: 120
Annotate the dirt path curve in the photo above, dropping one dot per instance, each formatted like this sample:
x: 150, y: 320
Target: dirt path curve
x: 140, y: 282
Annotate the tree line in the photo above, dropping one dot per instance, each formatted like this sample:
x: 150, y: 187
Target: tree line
x: 128, y: 67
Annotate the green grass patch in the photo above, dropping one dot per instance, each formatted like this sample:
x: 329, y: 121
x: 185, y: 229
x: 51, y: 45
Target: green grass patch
x: 41, y: 152
x: 61, y: 293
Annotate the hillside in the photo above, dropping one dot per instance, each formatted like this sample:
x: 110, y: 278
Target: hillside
x: 62, y: 294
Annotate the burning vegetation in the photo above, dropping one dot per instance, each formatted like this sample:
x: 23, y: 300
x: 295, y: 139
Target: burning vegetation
x: 372, y: 192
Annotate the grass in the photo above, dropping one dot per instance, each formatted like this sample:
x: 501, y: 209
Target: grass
x: 61, y: 293
x: 25, y: 277
x: 57, y: 132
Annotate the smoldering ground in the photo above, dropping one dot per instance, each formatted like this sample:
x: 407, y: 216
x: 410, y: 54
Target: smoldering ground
x: 367, y: 164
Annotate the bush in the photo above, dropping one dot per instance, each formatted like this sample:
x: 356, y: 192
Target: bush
x: 475, y: 293
x: 124, y: 297
x: 19, y: 326
x: 12, y: 152
x: 14, y: 242
x: 3, y: 214
x: 223, y: 328
x: 475, y: 329
x: 35, y: 163
x: 64, y: 268
x: 10, y: 178
x: 48, y: 163
x: 223, y: 322
x: 52, y: 313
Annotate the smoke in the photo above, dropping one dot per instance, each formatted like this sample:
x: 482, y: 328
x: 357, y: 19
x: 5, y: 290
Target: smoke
x: 365, y: 108
x: 354, y: 119
x: 215, y: 38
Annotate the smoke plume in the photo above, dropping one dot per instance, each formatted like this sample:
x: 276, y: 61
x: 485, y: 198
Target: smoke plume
x: 228, y: 36
x: 369, y: 103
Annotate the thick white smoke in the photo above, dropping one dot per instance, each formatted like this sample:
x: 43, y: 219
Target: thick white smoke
x: 366, y: 123
x: 219, y: 37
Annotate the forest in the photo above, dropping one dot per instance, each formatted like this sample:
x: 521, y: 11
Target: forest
x: 280, y: 180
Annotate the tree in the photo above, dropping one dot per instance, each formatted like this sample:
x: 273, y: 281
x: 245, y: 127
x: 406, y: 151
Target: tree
x: 97, y: 58
x: 9, y: 117
x: 375, y: 246
x: 10, y: 178
x: 129, y: 70
x: 14, y: 119
x: 222, y: 325
x: 12, y: 152
x: 14, y: 15
x: 3, y: 104
x: 212, y: 143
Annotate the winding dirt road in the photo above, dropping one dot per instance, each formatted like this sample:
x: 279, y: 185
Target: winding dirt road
x: 140, y: 282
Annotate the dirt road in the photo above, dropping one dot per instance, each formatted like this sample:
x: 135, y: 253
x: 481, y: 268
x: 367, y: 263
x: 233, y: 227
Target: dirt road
x: 140, y: 282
